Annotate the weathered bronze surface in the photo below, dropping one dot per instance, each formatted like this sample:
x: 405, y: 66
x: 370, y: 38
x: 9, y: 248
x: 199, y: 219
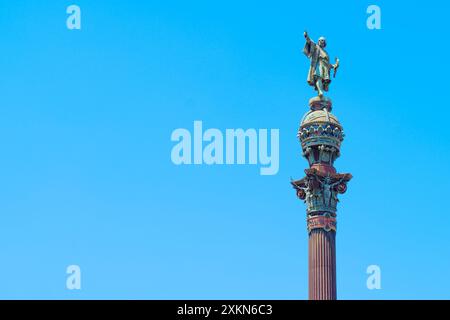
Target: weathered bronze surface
x: 320, y: 66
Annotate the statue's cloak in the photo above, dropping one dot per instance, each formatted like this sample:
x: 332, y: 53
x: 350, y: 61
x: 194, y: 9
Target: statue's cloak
x: 320, y: 65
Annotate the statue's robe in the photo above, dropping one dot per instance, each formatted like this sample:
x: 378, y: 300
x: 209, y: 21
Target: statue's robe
x: 320, y: 66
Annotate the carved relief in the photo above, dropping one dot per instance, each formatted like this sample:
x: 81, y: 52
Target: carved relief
x: 320, y: 191
x: 325, y: 221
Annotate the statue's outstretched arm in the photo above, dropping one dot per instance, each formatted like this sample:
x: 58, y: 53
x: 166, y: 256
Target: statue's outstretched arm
x: 305, y: 34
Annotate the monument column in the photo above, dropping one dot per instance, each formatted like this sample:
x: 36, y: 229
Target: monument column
x: 321, y: 135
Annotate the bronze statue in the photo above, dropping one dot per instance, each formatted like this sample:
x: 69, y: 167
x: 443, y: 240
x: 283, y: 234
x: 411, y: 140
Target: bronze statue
x: 319, y: 70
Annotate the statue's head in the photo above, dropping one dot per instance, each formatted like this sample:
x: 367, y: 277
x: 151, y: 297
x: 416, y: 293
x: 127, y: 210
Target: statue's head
x: 322, y: 42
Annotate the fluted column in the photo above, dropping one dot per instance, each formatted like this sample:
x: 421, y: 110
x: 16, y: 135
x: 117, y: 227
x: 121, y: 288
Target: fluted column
x: 322, y: 265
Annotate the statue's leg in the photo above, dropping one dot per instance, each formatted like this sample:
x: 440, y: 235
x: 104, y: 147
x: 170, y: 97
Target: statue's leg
x: 319, y: 87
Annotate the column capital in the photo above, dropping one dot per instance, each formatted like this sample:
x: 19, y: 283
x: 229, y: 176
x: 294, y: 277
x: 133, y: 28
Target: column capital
x: 319, y: 190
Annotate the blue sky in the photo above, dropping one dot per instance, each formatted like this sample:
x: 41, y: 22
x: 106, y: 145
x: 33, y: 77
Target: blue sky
x: 86, y: 176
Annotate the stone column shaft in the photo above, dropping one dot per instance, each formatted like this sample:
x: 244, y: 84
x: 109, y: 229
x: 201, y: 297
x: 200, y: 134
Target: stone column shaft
x: 322, y: 265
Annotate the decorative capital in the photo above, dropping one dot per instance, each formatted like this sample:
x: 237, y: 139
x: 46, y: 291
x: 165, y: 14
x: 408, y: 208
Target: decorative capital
x: 320, y: 190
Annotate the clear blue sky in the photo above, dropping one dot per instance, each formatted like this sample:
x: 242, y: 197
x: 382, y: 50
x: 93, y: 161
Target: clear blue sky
x: 86, y: 176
